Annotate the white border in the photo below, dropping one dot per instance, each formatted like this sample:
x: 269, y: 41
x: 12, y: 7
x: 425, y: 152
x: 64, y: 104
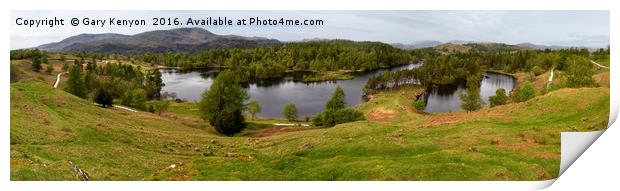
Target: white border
x: 583, y: 172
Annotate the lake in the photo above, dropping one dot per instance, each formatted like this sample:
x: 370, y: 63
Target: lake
x: 447, y: 98
x: 310, y: 98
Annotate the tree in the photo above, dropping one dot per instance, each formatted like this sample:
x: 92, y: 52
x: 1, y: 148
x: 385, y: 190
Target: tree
x: 153, y: 84
x: 290, y: 112
x: 103, y: 97
x: 63, y: 58
x: 525, y: 92
x: 254, y: 108
x: 222, y: 105
x: 499, y: 98
x: 579, y: 72
x: 75, y: 82
x: 337, y: 101
x: 161, y: 106
x: 36, y: 64
x: 471, y: 101
x: 90, y: 82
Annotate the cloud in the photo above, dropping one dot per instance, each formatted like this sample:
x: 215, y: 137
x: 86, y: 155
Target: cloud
x: 573, y: 28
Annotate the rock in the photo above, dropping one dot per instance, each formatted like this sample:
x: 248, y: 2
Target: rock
x: 306, y: 146
x: 207, y: 153
x: 229, y: 154
x: 172, y: 166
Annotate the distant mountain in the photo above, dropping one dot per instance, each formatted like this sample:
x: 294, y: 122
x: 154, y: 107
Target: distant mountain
x: 451, y: 48
x: 175, y: 40
x: 461, y: 42
x: 542, y: 47
x: 82, y: 38
x: 417, y: 44
x: 462, y: 47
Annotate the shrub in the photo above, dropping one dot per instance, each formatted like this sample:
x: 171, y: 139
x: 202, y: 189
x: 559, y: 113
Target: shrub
x: 49, y: 69
x: 525, y: 92
x: 579, y: 72
x: 330, y: 118
x: 499, y: 98
x: 419, y: 104
x: 537, y: 70
x: 254, y: 108
x: 161, y: 106
x: 290, y: 112
x: 103, y: 97
x: 135, y: 98
x: 151, y: 109
x: 36, y: 64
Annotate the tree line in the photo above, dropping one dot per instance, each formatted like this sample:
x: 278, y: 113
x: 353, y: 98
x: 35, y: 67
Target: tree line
x: 274, y: 61
x: 104, y: 83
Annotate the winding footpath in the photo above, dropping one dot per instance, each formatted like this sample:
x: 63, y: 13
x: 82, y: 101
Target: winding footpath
x: 115, y: 106
x: 598, y: 64
x: 550, y: 79
x: 58, y: 79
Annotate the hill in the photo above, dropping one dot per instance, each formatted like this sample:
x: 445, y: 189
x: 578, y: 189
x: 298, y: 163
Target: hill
x: 476, y: 47
x: 518, y: 141
x: 186, y: 40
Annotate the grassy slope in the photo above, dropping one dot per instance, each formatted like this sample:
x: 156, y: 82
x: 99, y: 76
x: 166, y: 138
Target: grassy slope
x: 513, y: 142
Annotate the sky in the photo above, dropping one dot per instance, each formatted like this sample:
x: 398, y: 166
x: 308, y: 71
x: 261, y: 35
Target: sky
x: 565, y: 28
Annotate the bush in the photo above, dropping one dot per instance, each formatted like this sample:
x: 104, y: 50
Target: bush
x: 537, y: 70
x: 49, y: 69
x: 151, y: 109
x: 290, y: 112
x: 103, y: 97
x: 161, y: 106
x: 254, y: 108
x: 330, y: 118
x: 36, y: 64
x: 419, y: 104
x: 135, y: 98
x: 499, y: 98
x: 579, y: 72
x: 525, y: 92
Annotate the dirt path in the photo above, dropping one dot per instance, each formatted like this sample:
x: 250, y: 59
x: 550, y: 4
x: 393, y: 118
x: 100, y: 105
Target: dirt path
x: 58, y: 79
x: 598, y: 64
x: 550, y: 79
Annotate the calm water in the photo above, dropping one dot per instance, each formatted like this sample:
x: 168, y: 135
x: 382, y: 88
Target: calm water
x: 446, y: 98
x: 310, y: 98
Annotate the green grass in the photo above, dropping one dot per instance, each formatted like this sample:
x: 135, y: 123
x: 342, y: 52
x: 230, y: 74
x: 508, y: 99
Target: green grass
x: 604, y: 62
x: 328, y: 75
x: 518, y: 141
